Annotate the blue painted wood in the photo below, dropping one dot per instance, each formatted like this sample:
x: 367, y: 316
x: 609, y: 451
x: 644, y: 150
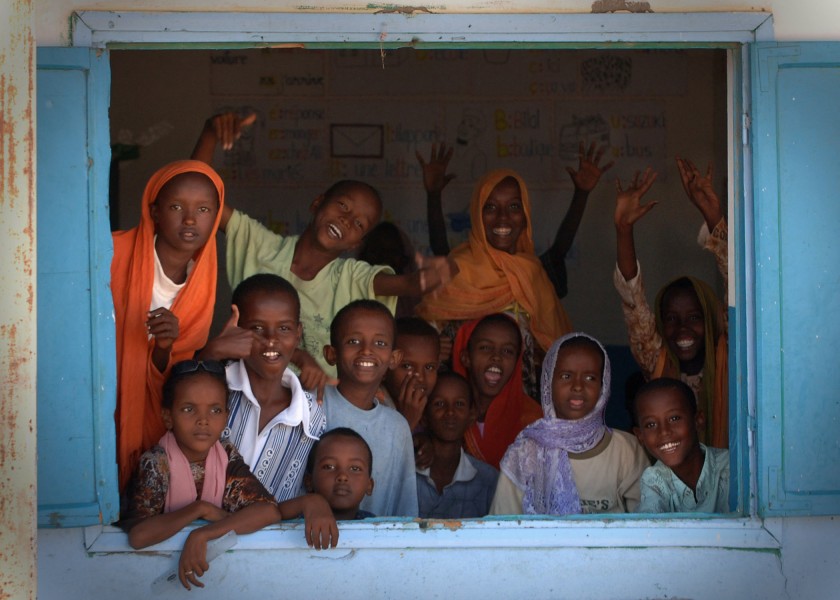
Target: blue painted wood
x: 796, y: 127
x: 76, y: 370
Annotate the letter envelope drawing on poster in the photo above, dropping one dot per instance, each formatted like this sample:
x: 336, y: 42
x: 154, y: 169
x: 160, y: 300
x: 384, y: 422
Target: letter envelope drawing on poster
x: 356, y: 140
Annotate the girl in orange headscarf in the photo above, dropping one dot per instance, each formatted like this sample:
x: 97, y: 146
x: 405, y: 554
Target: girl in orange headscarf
x: 498, y: 268
x: 163, y: 281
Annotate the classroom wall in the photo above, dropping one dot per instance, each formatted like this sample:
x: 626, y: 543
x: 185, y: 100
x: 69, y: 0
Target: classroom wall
x: 793, y: 19
x: 329, y: 115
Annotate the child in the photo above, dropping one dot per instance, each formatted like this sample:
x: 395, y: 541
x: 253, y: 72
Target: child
x: 273, y: 421
x: 685, y: 336
x: 408, y: 384
x: 190, y: 475
x: 488, y: 352
x: 687, y: 476
x: 339, y: 468
x: 498, y: 268
x: 569, y: 462
x: 341, y: 217
x: 456, y: 486
x: 362, y: 349
x: 163, y: 281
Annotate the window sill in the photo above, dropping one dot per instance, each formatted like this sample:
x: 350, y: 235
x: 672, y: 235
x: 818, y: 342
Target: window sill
x: 618, y: 531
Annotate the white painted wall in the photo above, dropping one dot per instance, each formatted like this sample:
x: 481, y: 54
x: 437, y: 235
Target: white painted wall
x: 803, y: 566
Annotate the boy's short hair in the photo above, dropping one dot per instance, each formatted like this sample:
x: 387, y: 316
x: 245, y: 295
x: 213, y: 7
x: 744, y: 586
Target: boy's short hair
x: 348, y: 184
x: 338, y: 431
x: 416, y: 327
x: 265, y: 282
x: 663, y: 383
x: 444, y: 375
x: 497, y: 319
x: 186, y: 369
x: 357, y: 305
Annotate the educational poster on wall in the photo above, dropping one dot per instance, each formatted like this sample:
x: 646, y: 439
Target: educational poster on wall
x: 362, y: 114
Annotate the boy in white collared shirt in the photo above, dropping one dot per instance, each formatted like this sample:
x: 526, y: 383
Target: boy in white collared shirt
x: 272, y: 420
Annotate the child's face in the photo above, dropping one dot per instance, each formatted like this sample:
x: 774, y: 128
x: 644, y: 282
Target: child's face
x: 185, y: 211
x: 419, y: 362
x: 683, y: 325
x: 448, y: 413
x: 198, y: 415
x: 491, y: 357
x: 365, y: 349
x: 668, y: 428
x: 341, y: 221
x: 504, y: 216
x: 576, y: 383
x: 272, y: 316
x: 341, y: 474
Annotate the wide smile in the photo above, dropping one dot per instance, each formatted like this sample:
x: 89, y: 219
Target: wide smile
x: 493, y: 375
x: 271, y: 355
x: 502, y: 231
x: 685, y: 343
x: 334, y: 231
x: 365, y: 363
x: 669, y: 448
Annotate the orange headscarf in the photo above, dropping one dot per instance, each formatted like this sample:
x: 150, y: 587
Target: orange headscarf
x: 139, y: 383
x: 490, y: 280
x: 509, y: 413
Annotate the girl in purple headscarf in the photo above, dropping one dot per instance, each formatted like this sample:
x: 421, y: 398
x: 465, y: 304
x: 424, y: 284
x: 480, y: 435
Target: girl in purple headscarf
x: 569, y: 462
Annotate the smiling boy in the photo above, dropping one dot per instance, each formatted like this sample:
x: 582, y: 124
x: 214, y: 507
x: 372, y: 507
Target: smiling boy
x: 688, y: 476
x: 273, y: 421
x: 312, y: 261
x: 362, y: 349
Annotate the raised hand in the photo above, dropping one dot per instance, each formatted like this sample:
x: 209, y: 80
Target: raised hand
x: 589, y: 172
x: 700, y: 191
x: 233, y: 342
x: 434, y: 271
x: 628, y: 202
x: 435, y: 177
x: 228, y: 127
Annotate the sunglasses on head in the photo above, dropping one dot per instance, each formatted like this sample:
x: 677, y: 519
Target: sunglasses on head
x: 191, y: 366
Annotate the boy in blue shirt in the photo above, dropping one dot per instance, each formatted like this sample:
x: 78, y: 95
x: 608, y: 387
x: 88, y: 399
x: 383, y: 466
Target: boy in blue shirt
x: 362, y: 350
x: 688, y: 476
x: 456, y: 485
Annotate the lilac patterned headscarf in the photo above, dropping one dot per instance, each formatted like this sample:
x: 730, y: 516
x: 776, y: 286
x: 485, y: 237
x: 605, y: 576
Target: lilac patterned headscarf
x: 538, y: 460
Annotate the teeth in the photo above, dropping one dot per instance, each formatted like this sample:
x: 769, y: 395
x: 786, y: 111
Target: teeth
x: 669, y: 447
x: 495, y: 369
x: 271, y: 354
x: 366, y: 363
x: 335, y: 231
x: 502, y: 230
x: 685, y: 343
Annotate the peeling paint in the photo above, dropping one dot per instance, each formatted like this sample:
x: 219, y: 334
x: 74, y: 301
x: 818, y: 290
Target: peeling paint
x: 394, y: 9
x: 605, y: 6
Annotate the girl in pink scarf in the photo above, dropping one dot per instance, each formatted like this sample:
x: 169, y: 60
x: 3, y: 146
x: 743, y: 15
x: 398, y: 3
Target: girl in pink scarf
x: 190, y: 475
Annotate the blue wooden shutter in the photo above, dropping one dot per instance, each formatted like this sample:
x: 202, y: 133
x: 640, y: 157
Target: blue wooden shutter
x: 796, y: 145
x: 77, y: 478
